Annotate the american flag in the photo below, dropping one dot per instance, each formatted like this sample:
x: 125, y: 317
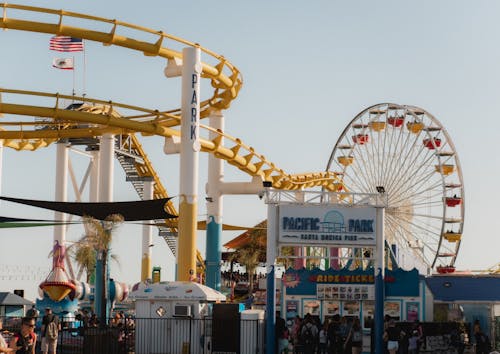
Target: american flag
x: 66, y: 44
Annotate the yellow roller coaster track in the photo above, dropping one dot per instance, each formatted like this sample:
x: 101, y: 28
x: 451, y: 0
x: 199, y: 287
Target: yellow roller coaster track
x: 225, y: 78
x: 62, y: 123
x: 56, y: 122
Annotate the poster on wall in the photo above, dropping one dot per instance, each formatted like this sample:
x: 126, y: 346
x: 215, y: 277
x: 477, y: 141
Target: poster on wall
x: 412, y: 311
x: 311, y: 307
x: 331, y: 308
x: 351, y: 308
x: 393, y: 309
x: 292, y: 309
x: 260, y: 297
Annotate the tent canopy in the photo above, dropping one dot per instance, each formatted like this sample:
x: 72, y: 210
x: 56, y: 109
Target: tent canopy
x: 175, y: 290
x: 131, y: 211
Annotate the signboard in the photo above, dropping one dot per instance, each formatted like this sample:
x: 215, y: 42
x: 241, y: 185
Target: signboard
x: 326, y: 225
x: 292, y: 309
x: 345, y: 292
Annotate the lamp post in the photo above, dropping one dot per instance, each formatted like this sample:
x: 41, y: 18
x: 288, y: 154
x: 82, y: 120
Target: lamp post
x: 379, y: 273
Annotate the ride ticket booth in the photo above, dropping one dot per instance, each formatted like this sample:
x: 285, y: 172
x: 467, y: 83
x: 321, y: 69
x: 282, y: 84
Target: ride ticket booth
x: 350, y: 293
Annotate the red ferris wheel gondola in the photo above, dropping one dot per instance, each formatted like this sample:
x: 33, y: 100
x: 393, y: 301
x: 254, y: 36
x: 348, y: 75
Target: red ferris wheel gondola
x: 396, y: 122
x: 453, y: 201
x: 445, y: 269
x: 360, y: 139
x: 432, y: 143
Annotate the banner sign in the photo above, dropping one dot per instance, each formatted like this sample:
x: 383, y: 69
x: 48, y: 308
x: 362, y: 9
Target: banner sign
x: 345, y: 284
x: 326, y: 225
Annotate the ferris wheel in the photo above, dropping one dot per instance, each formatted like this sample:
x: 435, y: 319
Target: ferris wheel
x: 406, y: 153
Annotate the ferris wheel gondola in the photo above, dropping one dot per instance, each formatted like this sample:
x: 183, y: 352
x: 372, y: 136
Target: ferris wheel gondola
x: 406, y: 152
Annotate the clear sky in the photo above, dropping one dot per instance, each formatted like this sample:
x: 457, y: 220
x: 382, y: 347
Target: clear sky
x: 308, y: 69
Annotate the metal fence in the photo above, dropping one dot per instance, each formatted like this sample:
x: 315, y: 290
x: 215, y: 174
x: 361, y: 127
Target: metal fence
x: 181, y: 335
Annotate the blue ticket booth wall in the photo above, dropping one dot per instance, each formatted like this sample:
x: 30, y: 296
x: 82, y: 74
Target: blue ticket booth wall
x: 351, y: 293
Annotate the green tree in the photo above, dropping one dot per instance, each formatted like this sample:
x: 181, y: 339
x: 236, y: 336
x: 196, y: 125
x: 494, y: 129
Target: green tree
x: 99, y: 235
x: 83, y: 252
x: 253, y: 252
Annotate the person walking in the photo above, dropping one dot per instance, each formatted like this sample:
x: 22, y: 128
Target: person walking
x: 279, y: 332
x: 50, y: 332
x: 309, y: 335
x: 334, y: 336
x: 24, y: 341
x: 355, y: 337
x: 33, y: 312
x: 413, y: 342
x: 4, y: 348
x: 392, y: 335
x: 323, y: 338
x: 344, y: 328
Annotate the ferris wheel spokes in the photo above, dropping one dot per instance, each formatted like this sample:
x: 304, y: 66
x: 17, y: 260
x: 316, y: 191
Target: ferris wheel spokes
x: 407, y: 152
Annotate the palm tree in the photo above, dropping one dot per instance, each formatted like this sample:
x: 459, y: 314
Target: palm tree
x: 83, y: 251
x: 287, y: 262
x: 97, y: 240
x: 252, y: 253
x: 99, y: 234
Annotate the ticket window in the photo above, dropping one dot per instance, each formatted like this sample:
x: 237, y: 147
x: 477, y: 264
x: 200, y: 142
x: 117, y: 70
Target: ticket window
x: 368, y: 314
x: 311, y: 307
x: 330, y: 309
x: 351, y: 308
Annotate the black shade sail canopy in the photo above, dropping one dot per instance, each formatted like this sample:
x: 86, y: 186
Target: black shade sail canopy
x: 131, y: 211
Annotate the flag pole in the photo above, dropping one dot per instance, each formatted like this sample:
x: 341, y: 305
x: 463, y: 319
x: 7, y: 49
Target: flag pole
x: 84, y: 69
x: 74, y: 79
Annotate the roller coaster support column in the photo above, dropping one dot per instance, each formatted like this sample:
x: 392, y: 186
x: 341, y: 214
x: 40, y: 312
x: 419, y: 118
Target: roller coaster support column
x: 272, y: 229
x: 214, y: 209
x: 94, y: 176
x: 189, y: 156
x: 61, y: 189
x: 1, y: 162
x: 106, y: 167
x: 147, y: 236
x: 102, y: 302
x: 379, y: 281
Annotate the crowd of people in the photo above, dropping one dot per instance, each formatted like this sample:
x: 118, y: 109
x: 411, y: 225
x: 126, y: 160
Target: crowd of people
x: 310, y: 336
x: 342, y: 335
x: 229, y: 278
x: 24, y: 340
